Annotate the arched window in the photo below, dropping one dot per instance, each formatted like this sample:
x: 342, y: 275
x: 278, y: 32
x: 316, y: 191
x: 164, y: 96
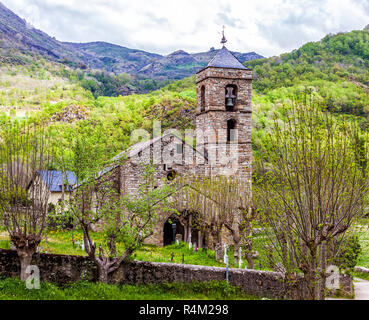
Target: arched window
x: 231, y: 127
x: 230, y: 97
x: 202, y: 98
x: 171, y: 175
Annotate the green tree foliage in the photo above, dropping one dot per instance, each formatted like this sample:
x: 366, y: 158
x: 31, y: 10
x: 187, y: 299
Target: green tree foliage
x: 26, y: 153
x: 96, y: 202
x: 336, y: 67
x: 312, y: 190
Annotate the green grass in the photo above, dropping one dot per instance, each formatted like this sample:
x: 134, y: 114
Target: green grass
x: 60, y: 242
x: 13, y: 289
x: 363, y: 233
x: 361, y: 275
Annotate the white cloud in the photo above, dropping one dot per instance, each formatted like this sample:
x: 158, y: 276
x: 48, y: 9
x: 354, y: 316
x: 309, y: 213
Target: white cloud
x: 268, y: 27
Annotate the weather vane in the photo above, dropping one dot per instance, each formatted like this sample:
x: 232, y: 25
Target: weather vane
x: 224, y: 40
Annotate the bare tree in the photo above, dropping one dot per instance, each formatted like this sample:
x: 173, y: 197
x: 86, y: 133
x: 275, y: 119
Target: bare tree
x: 315, y: 187
x: 221, y: 203
x: 26, y: 155
x: 96, y: 202
x: 128, y: 220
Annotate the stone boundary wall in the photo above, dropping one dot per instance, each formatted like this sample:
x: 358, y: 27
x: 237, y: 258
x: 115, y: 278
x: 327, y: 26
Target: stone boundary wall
x: 63, y: 269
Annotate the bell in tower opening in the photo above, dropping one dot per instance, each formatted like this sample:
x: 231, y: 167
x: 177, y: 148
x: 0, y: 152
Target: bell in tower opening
x: 231, y: 96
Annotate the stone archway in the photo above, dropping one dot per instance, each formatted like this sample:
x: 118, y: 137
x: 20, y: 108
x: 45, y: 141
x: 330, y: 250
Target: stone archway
x: 172, y: 228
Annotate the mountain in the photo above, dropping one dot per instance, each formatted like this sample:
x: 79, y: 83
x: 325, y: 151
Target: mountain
x: 16, y: 33
x: 113, y: 58
x: 175, y: 66
x: 181, y: 64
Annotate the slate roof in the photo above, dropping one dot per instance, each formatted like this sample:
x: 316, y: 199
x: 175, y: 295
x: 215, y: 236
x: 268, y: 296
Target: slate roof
x: 225, y: 59
x: 54, y: 180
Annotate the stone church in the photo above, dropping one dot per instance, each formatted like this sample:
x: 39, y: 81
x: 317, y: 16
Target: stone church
x: 223, y: 142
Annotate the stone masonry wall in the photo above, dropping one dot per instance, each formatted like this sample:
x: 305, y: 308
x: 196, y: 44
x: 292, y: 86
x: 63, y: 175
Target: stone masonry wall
x: 165, y: 152
x: 225, y: 158
x: 62, y: 269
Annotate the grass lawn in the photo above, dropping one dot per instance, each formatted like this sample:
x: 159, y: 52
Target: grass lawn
x: 60, y: 242
x: 13, y: 289
x: 364, y: 242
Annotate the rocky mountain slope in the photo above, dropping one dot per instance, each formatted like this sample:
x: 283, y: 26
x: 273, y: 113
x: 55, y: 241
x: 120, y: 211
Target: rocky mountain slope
x: 181, y: 64
x: 16, y: 33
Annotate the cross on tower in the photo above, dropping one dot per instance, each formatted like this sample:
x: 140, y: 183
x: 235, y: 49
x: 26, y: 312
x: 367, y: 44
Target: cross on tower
x: 224, y: 40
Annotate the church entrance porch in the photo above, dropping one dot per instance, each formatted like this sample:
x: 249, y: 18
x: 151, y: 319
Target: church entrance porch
x: 183, y: 228
x: 173, y: 229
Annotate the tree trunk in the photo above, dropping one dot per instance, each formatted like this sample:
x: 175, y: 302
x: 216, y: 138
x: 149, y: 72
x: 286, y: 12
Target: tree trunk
x: 218, y: 247
x: 25, y: 257
x: 199, y: 240
x: 236, y: 253
x: 218, y: 251
x: 322, y: 273
x: 250, y: 260
x: 112, y: 246
x: 185, y: 233
x: 311, y: 278
x: 26, y: 247
x: 189, y: 233
x: 103, y: 272
x: 249, y: 245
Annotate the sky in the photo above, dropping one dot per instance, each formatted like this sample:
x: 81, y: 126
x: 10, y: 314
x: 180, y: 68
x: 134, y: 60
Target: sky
x: 268, y: 27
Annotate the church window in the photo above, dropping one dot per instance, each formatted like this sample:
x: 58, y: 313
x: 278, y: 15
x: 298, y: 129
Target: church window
x: 171, y: 175
x: 202, y: 99
x: 231, y: 126
x: 180, y: 148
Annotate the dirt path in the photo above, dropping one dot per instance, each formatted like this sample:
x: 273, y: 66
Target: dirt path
x: 361, y: 289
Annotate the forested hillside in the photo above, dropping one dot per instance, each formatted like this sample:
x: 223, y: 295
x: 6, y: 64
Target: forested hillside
x: 334, y: 72
x: 337, y: 68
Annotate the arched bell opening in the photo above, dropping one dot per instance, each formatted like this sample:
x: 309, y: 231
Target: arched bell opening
x: 231, y: 92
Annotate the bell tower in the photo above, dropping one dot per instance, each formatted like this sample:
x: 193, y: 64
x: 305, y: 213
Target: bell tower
x: 223, y: 115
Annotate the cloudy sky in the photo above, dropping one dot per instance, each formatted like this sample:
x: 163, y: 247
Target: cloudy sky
x: 268, y: 27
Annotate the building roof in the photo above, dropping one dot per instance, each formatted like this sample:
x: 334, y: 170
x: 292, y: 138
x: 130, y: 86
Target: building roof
x: 141, y: 146
x: 225, y: 59
x: 135, y: 149
x: 54, y: 180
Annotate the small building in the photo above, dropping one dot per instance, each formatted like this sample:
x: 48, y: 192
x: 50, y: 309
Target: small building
x: 57, y: 183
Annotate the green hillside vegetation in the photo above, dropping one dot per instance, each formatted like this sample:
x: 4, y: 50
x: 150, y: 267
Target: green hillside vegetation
x: 336, y: 67
x: 332, y: 71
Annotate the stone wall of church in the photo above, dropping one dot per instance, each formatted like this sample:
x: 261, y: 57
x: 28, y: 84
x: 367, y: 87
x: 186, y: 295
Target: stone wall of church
x: 216, y: 80
x: 212, y: 123
x: 167, y: 160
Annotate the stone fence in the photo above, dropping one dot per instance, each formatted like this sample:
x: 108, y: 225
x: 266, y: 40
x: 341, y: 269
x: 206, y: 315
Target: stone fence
x: 62, y: 269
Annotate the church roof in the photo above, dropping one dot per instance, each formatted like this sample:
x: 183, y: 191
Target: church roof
x: 141, y: 146
x: 225, y: 59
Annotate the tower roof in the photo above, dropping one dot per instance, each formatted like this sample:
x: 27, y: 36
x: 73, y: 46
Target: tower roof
x: 225, y: 59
